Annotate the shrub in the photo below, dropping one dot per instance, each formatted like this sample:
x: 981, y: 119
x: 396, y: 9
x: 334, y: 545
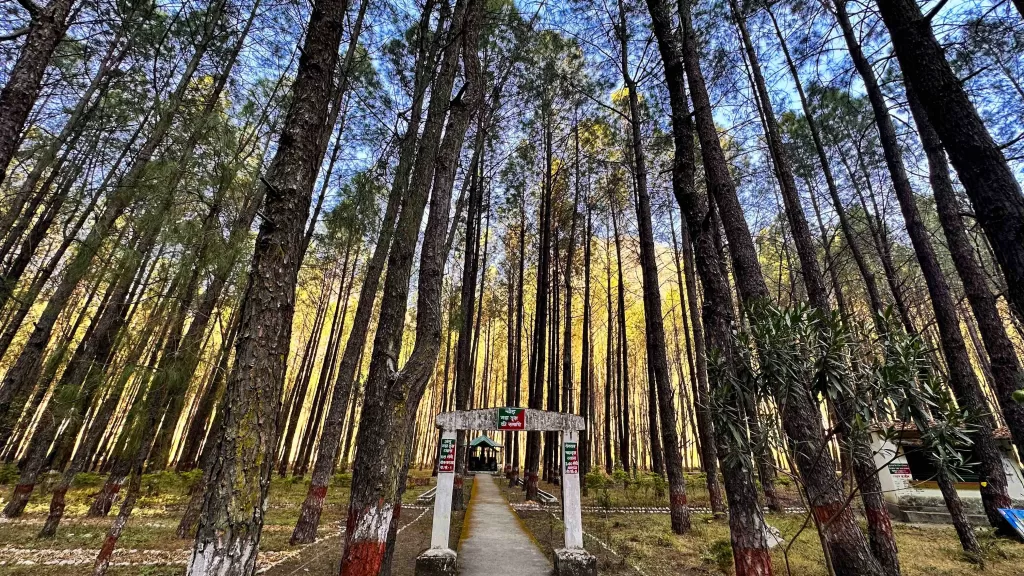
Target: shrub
x: 595, y: 480
x: 8, y: 473
x: 87, y: 479
x: 621, y: 477
x: 720, y: 553
x: 660, y: 485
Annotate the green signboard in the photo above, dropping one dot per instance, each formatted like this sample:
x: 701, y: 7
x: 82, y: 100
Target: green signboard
x: 511, y: 419
x: 572, y: 457
x: 446, y: 462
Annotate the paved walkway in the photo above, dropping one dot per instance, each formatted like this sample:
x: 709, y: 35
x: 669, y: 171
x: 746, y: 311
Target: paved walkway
x: 494, y: 541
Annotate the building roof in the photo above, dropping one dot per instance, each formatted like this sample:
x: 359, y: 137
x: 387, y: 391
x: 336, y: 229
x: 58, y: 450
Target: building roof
x: 483, y: 441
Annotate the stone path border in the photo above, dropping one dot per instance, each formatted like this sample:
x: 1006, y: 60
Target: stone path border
x: 322, y: 550
x: 606, y: 547
x: 637, y: 509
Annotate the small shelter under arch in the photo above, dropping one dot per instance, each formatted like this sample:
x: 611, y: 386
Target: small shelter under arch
x: 483, y: 455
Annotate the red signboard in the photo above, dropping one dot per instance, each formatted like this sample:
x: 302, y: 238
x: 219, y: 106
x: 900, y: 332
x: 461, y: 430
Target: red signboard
x: 511, y: 419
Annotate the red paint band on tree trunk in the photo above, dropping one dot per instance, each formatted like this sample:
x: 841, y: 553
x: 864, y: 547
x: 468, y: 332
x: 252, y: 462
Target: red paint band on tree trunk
x: 107, y: 550
x: 363, y: 558
x: 678, y: 499
x: 879, y: 517
x: 824, y: 513
x: 752, y: 561
x: 318, y: 492
x: 22, y: 489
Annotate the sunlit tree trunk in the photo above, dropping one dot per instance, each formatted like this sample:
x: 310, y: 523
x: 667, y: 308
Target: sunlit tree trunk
x: 623, y: 355
x: 392, y: 397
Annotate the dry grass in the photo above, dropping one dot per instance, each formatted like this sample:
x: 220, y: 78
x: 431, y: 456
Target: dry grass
x: 645, y: 544
x: 155, y: 521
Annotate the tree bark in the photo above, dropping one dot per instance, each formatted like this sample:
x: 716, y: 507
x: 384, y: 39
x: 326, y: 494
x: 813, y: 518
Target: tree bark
x: 392, y: 396
x: 698, y: 369
x: 586, y: 361
x: 657, y: 356
x: 227, y: 539
x: 750, y: 550
x: 1004, y: 365
x: 623, y: 358
x: 984, y: 172
x: 609, y: 375
x: 47, y: 28
x: 537, y: 360
x: 331, y: 439
x: 962, y: 378
x: 464, y: 351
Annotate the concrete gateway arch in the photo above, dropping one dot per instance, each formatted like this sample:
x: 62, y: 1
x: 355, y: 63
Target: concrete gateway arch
x: 440, y: 559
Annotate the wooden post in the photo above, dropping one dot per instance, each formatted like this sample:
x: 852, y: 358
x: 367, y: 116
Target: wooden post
x: 571, y: 513
x: 443, y: 495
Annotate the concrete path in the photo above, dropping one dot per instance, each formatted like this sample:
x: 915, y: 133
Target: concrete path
x: 494, y: 542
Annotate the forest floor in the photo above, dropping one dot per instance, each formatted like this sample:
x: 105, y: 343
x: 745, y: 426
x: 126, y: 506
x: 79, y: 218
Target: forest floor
x: 624, y: 528
x: 629, y: 539
x: 149, y: 546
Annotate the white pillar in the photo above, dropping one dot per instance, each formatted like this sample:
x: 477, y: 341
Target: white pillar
x: 443, y: 495
x: 571, y: 514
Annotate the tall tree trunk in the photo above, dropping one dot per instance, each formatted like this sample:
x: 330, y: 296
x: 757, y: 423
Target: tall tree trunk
x: 325, y: 379
x: 984, y: 172
x: 1004, y: 364
x: 229, y: 530
x: 962, y: 378
x: 881, y: 537
x: 586, y: 361
x: 843, y: 539
x: 520, y: 306
x: 699, y: 368
x: 537, y: 360
x: 609, y: 350
x: 623, y: 359
x: 46, y: 29
x: 201, y: 423
x: 392, y: 396
x: 657, y: 356
x: 331, y: 439
x: 464, y: 353
x: 750, y: 551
